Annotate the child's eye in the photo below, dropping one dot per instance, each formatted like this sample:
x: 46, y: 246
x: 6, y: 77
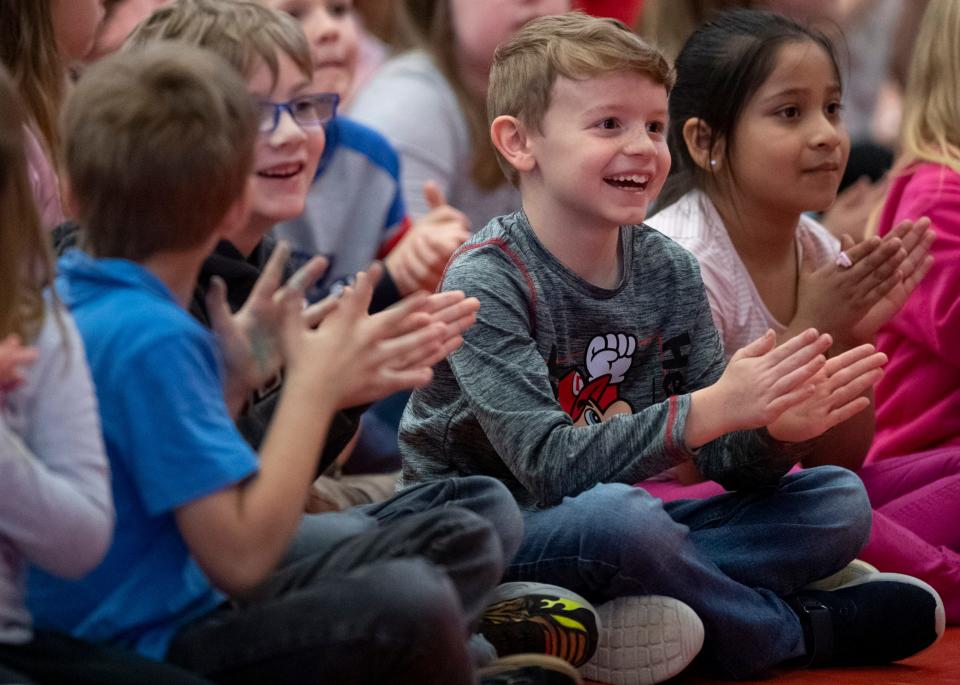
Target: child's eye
x: 338, y: 8
x: 834, y: 108
x: 608, y: 124
x: 656, y: 127
x: 789, y: 112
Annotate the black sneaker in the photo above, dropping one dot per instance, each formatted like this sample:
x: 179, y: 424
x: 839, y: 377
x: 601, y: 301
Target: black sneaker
x: 875, y: 619
x: 540, y: 619
x: 529, y: 669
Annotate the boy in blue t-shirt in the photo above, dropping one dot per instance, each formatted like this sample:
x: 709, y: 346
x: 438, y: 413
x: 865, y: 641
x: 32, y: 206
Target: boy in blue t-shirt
x: 159, y: 148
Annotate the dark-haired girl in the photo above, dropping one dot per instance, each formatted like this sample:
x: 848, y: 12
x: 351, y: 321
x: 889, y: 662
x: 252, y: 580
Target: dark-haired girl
x: 758, y: 140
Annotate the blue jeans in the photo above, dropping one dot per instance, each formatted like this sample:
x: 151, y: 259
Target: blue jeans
x: 386, y: 592
x: 730, y: 558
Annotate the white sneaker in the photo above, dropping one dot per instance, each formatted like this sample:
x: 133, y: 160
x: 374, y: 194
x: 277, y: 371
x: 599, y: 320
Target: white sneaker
x: 644, y: 640
x: 855, y: 570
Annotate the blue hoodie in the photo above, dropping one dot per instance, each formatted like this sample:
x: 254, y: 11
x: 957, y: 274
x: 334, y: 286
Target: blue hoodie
x: 170, y: 440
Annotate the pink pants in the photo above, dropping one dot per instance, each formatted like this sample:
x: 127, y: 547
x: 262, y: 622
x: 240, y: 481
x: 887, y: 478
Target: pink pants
x: 916, y: 517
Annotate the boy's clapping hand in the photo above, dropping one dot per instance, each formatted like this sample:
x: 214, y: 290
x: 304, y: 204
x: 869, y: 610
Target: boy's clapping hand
x: 838, y: 395
x: 249, y: 339
x: 761, y: 382
x: 358, y: 358
x: 418, y: 260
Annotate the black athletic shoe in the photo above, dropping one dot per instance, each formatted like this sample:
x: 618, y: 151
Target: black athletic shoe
x: 529, y: 669
x: 876, y: 619
x: 535, y: 618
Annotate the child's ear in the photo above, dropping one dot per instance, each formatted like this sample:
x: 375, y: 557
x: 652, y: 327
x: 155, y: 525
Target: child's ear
x: 509, y: 136
x: 696, y: 136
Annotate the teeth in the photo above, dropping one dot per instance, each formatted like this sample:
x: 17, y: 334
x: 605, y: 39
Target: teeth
x: 639, y: 179
x: 286, y: 170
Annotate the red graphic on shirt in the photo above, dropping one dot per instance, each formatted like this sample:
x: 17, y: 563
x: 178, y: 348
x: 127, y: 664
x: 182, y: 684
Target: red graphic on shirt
x: 595, y: 398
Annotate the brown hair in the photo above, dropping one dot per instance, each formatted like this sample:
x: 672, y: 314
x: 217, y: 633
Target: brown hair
x: 28, y: 49
x: 572, y: 45
x: 159, y: 145
x: 242, y: 33
x: 428, y: 24
x: 26, y: 266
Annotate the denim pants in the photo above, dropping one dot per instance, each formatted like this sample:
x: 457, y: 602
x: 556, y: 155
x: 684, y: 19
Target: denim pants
x: 730, y: 558
x: 386, y: 592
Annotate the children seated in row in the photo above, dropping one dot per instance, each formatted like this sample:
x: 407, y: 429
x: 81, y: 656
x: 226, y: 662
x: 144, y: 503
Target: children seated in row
x: 595, y: 363
x: 159, y: 151
x: 429, y: 555
x: 55, y: 509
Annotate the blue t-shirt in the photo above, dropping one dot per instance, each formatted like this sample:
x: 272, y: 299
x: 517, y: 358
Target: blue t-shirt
x: 170, y: 440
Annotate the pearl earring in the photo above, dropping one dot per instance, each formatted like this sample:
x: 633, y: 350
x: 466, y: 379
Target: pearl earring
x: 713, y: 163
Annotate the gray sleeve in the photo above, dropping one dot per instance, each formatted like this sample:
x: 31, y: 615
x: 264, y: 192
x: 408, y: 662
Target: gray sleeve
x: 740, y: 460
x: 505, y: 382
x: 55, y: 502
x: 420, y: 117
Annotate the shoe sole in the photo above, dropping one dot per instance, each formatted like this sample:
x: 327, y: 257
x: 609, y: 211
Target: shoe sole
x: 940, y: 613
x: 556, y: 666
x: 855, y: 569
x: 644, y: 640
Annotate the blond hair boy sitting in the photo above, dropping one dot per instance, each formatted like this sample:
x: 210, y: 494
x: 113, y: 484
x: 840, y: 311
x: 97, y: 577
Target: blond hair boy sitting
x: 595, y: 364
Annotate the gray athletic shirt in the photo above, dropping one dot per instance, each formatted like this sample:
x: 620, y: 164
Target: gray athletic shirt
x: 561, y: 384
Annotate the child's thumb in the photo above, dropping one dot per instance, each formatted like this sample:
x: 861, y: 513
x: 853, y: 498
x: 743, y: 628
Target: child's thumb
x: 433, y: 195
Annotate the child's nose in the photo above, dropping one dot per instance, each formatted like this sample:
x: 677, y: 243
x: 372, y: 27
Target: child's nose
x: 287, y: 130
x: 827, y: 134
x: 639, y: 144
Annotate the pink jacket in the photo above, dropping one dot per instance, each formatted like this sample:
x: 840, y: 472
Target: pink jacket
x: 918, y: 399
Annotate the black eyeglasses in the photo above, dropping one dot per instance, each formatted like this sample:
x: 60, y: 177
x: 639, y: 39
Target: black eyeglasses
x: 306, y: 110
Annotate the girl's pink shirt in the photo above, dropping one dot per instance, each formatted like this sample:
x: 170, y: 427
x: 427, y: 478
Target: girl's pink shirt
x: 918, y: 399
x: 43, y: 179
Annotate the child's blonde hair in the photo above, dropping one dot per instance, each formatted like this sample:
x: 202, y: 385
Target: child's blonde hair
x: 28, y: 49
x: 428, y: 25
x: 159, y: 145
x: 931, y: 105
x: 572, y: 45
x: 26, y: 266
x: 242, y: 33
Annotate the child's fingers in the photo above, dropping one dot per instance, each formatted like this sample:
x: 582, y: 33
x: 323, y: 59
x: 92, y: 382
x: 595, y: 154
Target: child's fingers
x: 865, y: 247
x: 413, y: 348
x: 851, y: 356
x: 217, y: 306
x: 270, y: 278
x: 433, y: 195
x: 856, y: 369
x: 809, y: 343
x: 458, y: 310
x: 791, y: 399
x: 314, y: 315
x: 854, y: 388
x: 803, y: 371
x: 307, y: 275
x: 911, y: 281
x: 758, y: 347
x: 846, y: 411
